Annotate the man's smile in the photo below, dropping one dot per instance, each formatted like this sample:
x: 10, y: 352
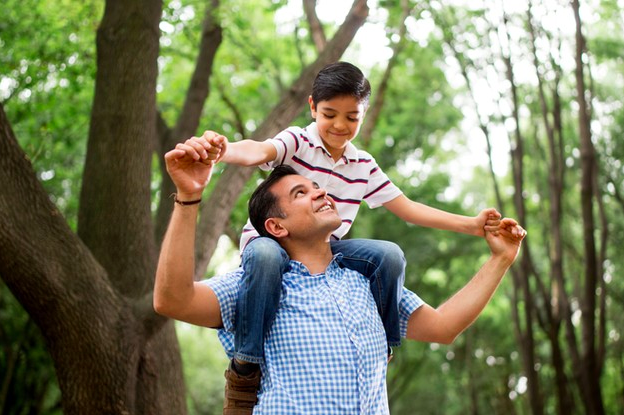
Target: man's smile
x: 326, y: 206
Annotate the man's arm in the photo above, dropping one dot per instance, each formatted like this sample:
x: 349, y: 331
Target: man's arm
x: 445, y: 323
x: 423, y: 215
x: 176, y: 294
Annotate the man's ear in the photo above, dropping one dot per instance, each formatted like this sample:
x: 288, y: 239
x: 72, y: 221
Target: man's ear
x: 275, y: 228
x: 312, y: 107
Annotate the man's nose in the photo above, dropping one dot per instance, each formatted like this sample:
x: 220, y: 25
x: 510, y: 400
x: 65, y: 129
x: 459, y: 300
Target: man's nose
x: 320, y: 193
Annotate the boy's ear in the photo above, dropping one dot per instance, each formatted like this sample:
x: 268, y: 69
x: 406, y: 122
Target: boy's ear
x: 312, y: 107
x: 275, y: 228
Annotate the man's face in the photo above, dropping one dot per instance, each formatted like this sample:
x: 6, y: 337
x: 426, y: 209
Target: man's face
x: 338, y: 120
x: 308, y: 210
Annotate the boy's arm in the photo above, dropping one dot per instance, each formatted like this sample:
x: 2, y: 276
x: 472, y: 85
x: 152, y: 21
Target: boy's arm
x: 250, y: 153
x: 423, y: 215
x: 444, y: 324
x: 243, y: 153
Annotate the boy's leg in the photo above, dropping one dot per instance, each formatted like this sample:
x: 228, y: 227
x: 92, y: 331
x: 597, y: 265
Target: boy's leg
x: 383, y: 263
x: 264, y: 262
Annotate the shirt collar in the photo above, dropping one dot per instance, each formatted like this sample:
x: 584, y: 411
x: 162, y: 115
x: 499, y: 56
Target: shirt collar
x: 297, y: 268
x: 350, y: 153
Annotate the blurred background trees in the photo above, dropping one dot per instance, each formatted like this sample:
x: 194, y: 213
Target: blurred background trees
x: 513, y: 105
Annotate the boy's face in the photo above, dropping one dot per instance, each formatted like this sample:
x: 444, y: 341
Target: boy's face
x: 338, y: 120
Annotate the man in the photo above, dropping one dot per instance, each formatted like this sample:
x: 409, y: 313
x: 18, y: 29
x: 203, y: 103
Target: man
x: 326, y: 351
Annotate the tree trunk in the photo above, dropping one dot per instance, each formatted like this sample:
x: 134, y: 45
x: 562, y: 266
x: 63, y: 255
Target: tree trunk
x: 215, y: 212
x: 588, y: 169
x: 98, y: 344
x: 559, y: 304
x: 116, y: 197
x: 91, y: 298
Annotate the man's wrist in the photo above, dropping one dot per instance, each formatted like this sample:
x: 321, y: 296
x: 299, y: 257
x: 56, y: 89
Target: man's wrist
x: 502, y: 259
x: 185, y: 199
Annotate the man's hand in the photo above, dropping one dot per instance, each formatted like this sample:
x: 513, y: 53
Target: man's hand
x: 506, y: 241
x: 190, y: 163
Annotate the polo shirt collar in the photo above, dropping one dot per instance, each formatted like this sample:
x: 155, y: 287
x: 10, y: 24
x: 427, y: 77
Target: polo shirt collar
x: 350, y: 153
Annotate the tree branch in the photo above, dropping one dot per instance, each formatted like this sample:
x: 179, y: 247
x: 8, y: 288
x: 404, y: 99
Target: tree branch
x: 316, y: 28
x: 188, y: 120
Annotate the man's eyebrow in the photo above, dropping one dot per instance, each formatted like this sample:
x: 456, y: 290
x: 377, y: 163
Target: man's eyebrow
x: 300, y: 186
x: 295, y: 189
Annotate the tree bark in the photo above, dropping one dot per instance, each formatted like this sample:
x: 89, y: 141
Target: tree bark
x: 215, y: 212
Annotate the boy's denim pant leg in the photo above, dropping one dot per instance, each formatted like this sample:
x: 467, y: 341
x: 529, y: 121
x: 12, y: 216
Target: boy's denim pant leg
x: 383, y: 263
x: 264, y: 262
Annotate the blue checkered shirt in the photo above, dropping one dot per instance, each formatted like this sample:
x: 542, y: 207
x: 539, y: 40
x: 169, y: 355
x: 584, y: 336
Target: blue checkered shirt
x: 326, y: 352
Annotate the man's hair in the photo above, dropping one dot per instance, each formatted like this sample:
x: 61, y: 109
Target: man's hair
x: 340, y: 79
x: 263, y: 203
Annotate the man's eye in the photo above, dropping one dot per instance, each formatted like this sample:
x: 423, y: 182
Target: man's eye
x: 329, y: 116
x: 299, y: 193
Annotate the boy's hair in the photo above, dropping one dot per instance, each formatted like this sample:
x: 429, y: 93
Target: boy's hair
x: 263, y: 203
x: 340, y: 79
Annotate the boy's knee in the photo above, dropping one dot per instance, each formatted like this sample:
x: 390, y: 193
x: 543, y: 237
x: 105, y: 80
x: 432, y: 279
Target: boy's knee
x: 393, y: 254
x: 263, y: 253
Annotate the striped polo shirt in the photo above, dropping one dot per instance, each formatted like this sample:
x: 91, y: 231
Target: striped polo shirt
x: 354, y: 178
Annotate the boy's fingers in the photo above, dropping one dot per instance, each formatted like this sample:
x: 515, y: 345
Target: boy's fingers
x: 189, y: 150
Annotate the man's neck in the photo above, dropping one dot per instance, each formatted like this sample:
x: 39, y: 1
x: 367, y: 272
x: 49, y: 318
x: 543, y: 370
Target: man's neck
x: 315, y: 256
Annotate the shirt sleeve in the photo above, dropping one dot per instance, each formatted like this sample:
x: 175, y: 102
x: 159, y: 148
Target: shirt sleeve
x: 226, y: 289
x: 286, y: 144
x: 410, y: 302
x: 380, y: 188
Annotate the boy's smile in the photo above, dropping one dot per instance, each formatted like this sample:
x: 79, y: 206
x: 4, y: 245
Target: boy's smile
x: 338, y: 120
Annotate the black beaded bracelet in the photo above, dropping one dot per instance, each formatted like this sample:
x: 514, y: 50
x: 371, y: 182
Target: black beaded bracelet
x: 184, y: 202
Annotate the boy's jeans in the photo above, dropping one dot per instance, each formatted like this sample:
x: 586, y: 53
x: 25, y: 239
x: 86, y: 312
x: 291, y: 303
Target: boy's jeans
x: 264, y: 262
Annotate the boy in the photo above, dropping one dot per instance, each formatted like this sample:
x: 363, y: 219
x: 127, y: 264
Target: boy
x: 323, y: 152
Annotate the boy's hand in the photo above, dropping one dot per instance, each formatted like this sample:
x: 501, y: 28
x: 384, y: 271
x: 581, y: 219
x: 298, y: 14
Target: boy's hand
x: 488, y: 220
x: 190, y: 163
x: 211, y: 146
